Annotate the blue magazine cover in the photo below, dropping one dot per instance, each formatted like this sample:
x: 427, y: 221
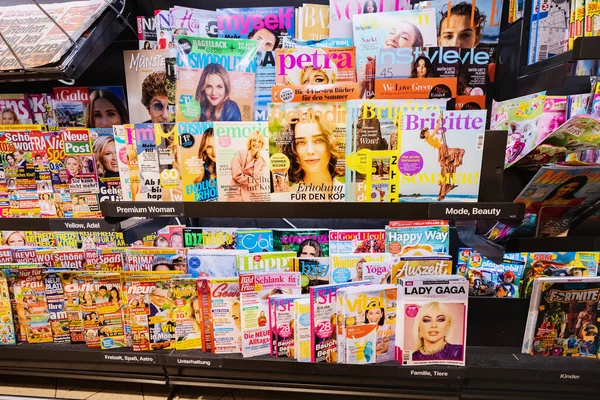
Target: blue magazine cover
x: 255, y: 240
x: 266, y: 25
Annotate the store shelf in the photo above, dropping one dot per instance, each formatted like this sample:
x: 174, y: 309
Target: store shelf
x: 57, y: 224
x: 464, y: 211
x: 79, y: 362
x: 553, y: 244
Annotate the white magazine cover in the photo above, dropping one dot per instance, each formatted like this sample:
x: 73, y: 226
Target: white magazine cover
x: 432, y: 320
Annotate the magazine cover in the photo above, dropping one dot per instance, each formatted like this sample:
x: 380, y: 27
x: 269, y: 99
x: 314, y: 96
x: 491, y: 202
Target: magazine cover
x: 15, y: 109
x: 215, y: 79
x: 170, y: 236
x: 222, y: 303
x: 553, y: 264
x: 147, y: 85
x: 378, y: 273
x: 418, y: 238
x: 307, y: 146
x: 368, y: 324
x: 457, y: 148
x: 282, y: 311
x: 312, y: 22
x: 132, y: 161
x: 521, y: 118
x: 255, y: 289
x: 356, y: 241
x: 184, y: 293
x: 87, y: 304
x: 219, y: 238
x: 164, y: 33
x: 265, y: 262
x: 323, y: 321
x: 147, y: 156
x: 111, y: 332
x: 408, y: 28
x: 213, y: 263
x: 266, y: 25
x: 198, y: 159
x: 481, y: 17
x: 419, y: 72
x: 187, y: 21
x: 341, y: 12
x: 305, y: 243
x: 432, y: 320
x: 192, y: 237
x: 551, y: 30
x: 107, y: 164
x: 314, y: 271
x: 155, y: 259
x: 349, y: 267
x: 146, y: 27
x: 302, y: 331
x: 150, y: 312
x: 7, y: 330
x: 563, y: 318
x: 120, y: 143
x: 70, y: 284
x: 255, y: 240
x: 264, y: 82
x: 32, y: 296
x: 55, y: 297
x: 243, y: 161
x: 169, y: 162
x: 372, y: 145
x: 315, y: 66
x: 69, y: 259
x: 42, y: 109
x: 70, y: 104
x: 420, y: 266
x: 487, y: 278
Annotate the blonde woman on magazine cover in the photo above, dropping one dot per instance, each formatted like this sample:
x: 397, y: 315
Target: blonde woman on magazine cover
x: 432, y: 327
x: 247, y: 167
x: 207, y: 156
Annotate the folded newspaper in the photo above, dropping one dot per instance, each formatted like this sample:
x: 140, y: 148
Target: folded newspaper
x: 36, y: 39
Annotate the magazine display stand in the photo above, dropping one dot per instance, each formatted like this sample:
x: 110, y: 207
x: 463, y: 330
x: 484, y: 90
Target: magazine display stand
x: 495, y: 368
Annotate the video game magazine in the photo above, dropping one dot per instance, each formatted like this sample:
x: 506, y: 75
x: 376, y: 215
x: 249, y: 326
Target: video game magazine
x: 323, y: 321
x: 420, y: 299
x: 255, y: 288
x: 296, y: 174
x: 368, y: 327
x: 563, y: 317
x: 197, y: 157
x: 243, y: 161
x: 204, y: 64
x: 221, y: 307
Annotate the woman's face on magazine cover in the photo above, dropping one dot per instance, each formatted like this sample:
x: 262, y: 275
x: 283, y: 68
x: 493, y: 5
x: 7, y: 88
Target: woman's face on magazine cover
x: 210, y: 149
x: 104, y: 114
x: 315, y: 77
x: 15, y: 240
x: 421, y: 69
x: 109, y: 157
x: 72, y: 166
x: 214, y: 90
x: 8, y: 118
x: 11, y: 160
x: 235, y: 314
x: 403, y: 35
x: 568, y: 189
x: 374, y: 315
x: 457, y: 31
x: 433, y: 326
x: 266, y: 40
x: 370, y: 7
x: 311, y: 147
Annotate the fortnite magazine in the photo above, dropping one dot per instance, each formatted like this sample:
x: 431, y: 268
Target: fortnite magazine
x: 215, y: 79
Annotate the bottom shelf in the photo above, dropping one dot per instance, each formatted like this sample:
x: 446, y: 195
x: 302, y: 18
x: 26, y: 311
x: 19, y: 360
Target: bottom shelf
x: 489, y: 372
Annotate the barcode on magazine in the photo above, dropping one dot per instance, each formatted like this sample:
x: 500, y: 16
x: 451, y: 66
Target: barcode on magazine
x: 543, y: 52
x: 480, y: 139
x: 406, y: 356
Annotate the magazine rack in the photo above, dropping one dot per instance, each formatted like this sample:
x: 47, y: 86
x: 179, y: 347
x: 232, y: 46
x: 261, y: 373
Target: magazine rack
x: 515, y: 78
x: 83, y: 51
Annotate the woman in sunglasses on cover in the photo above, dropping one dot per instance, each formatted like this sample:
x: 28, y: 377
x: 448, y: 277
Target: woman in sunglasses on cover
x: 154, y: 97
